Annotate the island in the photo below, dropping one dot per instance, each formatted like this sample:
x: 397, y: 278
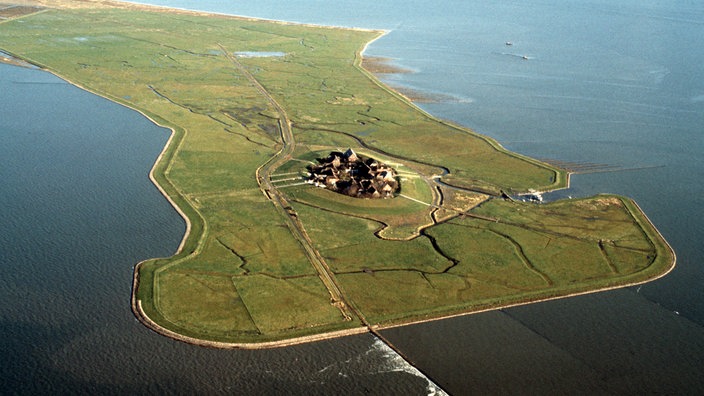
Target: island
x: 260, y: 112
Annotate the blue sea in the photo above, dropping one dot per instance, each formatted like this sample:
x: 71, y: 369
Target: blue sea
x: 611, y: 88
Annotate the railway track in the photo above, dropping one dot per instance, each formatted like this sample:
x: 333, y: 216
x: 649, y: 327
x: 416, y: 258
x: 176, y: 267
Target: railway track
x: 263, y: 176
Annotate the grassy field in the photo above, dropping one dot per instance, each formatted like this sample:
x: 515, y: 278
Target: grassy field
x: 243, y: 274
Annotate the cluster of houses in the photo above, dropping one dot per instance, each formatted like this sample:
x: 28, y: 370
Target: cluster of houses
x: 353, y: 175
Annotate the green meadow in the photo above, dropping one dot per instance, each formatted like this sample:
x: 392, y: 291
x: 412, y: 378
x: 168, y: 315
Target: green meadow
x: 447, y: 244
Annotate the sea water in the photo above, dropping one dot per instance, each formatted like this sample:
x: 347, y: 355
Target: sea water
x: 599, y: 82
x: 78, y: 212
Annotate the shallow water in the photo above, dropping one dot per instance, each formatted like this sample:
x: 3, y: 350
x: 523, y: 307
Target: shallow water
x: 616, y: 84
x: 259, y: 54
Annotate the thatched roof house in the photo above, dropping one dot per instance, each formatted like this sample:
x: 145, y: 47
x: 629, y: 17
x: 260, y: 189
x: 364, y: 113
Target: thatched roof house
x: 353, y: 175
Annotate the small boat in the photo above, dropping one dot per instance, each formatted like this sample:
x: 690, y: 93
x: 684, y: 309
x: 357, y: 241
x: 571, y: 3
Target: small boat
x: 509, y: 43
x: 535, y: 197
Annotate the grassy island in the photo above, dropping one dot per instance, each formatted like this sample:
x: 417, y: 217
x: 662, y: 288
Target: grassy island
x: 269, y: 259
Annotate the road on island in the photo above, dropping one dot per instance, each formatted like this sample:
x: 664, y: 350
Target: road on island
x: 263, y: 175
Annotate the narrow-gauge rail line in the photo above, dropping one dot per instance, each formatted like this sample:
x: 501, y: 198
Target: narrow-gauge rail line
x: 264, y: 174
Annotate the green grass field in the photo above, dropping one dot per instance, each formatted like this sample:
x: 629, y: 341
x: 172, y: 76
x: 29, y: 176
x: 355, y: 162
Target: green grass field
x: 242, y: 276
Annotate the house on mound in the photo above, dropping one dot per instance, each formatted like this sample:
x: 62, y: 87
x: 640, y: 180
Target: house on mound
x: 357, y: 176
